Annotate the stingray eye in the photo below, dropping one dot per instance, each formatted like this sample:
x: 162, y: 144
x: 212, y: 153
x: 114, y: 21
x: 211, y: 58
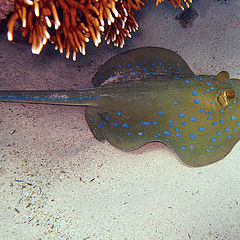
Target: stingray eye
x: 224, y: 96
x: 230, y: 94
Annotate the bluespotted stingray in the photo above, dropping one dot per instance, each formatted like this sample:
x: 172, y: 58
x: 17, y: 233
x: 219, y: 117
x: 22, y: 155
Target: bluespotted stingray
x: 150, y: 94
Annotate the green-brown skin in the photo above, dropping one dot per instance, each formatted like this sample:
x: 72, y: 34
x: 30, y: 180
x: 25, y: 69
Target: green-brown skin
x: 150, y: 94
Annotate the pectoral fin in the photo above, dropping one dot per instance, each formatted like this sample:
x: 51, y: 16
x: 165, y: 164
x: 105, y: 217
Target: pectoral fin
x: 141, y: 63
x: 95, y: 122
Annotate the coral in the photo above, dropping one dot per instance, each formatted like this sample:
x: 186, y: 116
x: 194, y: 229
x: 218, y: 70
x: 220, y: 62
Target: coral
x: 70, y: 24
x: 5, y: 8
x: 177, y: 3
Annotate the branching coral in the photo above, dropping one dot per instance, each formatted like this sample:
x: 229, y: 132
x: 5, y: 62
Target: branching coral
x: 177, y: 3
x: 70, y: 23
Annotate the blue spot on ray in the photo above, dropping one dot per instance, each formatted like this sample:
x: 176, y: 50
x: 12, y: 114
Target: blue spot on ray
x: 181, y: 114
x: 166, y: 132
x: 145, y: 122
x: 192, y: 136
x: 214, y: 123
x: 184, y: 123
x: 160, y: 112
x: 194, y: 93
x: 125, y: 125
x: 193, y: 119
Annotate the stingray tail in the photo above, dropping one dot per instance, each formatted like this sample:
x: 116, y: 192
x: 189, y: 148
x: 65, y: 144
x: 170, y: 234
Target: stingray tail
x: 83, y: 97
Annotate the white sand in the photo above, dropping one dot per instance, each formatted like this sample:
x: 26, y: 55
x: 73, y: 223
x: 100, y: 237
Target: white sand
x: 67, y: 185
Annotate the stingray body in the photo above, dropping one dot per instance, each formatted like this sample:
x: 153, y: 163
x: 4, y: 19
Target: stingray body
x: 150, y: 94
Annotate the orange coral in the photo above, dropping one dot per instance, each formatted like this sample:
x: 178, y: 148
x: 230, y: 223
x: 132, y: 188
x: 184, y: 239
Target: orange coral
x: 177, y: 3
x: 71, y: 23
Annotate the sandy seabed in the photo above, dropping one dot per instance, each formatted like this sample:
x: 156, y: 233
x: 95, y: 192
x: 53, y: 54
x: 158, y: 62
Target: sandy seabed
x: 58, y: 182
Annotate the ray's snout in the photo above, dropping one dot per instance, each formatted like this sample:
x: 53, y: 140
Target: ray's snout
x: 235, y: 82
